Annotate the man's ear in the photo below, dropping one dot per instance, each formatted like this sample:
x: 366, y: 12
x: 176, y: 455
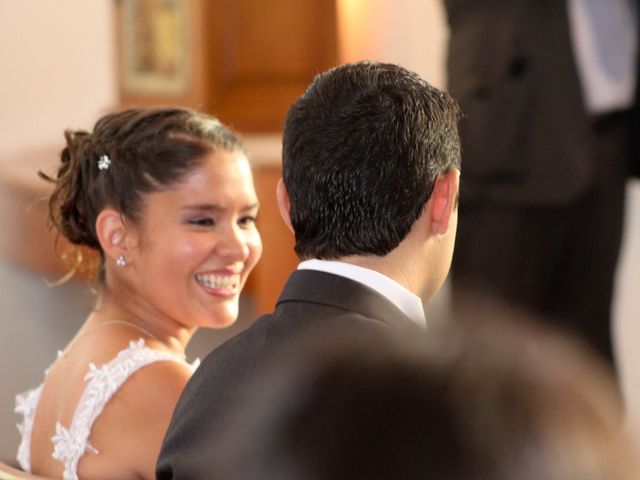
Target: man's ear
x: 113, y: 233
x: 444, y: 201
x: 284, y: 204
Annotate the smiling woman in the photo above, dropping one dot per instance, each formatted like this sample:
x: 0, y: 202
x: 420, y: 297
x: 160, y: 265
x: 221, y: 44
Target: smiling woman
x: 166, y: 198
x: 197, y: 244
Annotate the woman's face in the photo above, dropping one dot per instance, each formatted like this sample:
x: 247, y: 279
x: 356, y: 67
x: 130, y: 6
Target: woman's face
x: 196, y: 244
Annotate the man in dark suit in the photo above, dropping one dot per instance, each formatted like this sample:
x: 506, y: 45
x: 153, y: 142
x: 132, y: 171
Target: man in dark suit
x: 546, y: 138
x: 371, y: 160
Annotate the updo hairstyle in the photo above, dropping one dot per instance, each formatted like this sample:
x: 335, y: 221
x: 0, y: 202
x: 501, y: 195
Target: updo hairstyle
x: 146, y: 149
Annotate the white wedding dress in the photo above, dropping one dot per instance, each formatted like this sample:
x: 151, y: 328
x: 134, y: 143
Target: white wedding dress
x: 69, y: 444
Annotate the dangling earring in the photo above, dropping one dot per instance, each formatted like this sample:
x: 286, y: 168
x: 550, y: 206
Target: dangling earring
x: 121, y: 261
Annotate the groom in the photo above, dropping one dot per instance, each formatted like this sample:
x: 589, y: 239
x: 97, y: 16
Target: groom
x: 371, y: 160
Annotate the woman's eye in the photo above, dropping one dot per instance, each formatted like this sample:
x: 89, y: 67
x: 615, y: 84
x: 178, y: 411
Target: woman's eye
x: 247, y: 221
x: 202, y: 222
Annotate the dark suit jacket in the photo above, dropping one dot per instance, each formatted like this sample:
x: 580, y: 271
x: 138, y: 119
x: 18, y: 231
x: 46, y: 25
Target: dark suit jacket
x: 310, y: 302
x: 525, y: 135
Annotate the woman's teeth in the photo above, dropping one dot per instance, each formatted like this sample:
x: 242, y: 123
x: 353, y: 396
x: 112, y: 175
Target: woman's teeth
x: 218, y: 281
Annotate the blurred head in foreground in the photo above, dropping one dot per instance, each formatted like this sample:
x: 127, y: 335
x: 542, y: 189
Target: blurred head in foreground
x: 501, y: 403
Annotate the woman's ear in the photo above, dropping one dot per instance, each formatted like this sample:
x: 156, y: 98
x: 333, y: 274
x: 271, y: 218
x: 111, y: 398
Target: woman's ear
x: 113, y: 233
x: 284, y: 204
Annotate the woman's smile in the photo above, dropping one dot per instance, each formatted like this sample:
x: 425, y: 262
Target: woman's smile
x: 222, y: 283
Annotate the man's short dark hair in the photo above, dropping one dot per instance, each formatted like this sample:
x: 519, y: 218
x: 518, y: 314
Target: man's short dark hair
x: 362, y: 148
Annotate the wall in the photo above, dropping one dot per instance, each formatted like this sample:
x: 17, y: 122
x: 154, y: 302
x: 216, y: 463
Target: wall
x: 58, y: 70
x: 407, y: 32
x: 627, y: 307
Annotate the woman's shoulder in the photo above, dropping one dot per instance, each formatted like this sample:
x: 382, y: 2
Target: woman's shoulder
x: 163, y: 373
x: 153, y: 378
x: 140, y: 412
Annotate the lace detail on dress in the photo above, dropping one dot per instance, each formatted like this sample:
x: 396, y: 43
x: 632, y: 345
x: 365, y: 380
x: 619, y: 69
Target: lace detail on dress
x: 103, y: 382
x: 26, y: 404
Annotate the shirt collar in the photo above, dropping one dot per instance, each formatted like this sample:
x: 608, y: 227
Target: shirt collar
x: 409, y: 303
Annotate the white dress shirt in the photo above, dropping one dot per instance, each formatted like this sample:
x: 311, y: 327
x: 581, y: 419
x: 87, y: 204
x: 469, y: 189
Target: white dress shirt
x: 604, y: 34
x: 409, y: 303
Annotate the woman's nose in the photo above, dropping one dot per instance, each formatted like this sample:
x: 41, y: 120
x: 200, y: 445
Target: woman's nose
x: 233, y: 245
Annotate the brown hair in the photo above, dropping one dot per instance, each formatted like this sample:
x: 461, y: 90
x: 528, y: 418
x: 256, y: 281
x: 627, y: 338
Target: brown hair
x: 148, y: 149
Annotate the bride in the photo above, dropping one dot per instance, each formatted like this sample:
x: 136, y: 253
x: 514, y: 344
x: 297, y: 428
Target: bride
x: 166, y: 197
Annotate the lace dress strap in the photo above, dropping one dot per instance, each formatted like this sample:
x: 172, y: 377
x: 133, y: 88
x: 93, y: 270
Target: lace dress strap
x: 102, y: 383
x: 26, y: 404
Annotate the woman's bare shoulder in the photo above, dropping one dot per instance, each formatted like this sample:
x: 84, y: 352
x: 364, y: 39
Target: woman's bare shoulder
x: 165, y: 378
x: 151, y: 393
x: 133, y: 424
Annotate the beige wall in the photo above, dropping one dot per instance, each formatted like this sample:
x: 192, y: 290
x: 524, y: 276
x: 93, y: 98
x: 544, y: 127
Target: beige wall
x: 58, y: 70
x: 411, y: 33
x: 627, y: 306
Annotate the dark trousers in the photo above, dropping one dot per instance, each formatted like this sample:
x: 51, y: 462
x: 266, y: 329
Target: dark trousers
x: 552, y: 264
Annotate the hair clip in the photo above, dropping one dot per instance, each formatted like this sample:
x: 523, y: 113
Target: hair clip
x: 104, y: 162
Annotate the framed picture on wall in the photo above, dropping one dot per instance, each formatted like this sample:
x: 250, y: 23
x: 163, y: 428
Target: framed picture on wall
x: 154, y: 51
x: 244, y: 61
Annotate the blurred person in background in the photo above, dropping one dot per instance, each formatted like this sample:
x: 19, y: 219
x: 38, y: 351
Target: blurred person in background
x: 548, y: 89
x: 499, y: 403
